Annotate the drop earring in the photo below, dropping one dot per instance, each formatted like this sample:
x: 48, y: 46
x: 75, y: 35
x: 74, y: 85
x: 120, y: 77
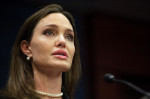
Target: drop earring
x: 28, y: 58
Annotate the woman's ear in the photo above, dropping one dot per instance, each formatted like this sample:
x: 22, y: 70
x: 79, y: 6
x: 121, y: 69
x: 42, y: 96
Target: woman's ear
x: 25, y: 48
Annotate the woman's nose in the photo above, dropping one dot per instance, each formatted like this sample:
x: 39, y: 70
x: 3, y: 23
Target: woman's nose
x: 61, y: 42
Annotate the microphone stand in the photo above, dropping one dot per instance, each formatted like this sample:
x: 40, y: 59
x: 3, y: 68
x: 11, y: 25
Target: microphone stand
x: 110, y: 79
x: 147, y: 95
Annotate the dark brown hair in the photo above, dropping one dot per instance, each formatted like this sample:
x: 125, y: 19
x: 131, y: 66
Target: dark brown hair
x: 20, y: 83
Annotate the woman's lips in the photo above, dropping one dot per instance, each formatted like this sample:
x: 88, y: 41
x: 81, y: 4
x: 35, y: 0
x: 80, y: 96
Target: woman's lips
x: 61, y: 54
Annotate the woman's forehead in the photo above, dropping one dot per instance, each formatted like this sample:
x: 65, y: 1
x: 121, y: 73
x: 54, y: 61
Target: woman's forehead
x: 55, y: 19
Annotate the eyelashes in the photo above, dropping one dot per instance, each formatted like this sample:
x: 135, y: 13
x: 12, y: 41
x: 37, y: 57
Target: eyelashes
x: 51, y: 32
x: 70, y: 37
x: 48, y: 33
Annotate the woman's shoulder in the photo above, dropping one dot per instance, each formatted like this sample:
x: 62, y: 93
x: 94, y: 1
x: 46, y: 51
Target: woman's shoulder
x: 3, y: 97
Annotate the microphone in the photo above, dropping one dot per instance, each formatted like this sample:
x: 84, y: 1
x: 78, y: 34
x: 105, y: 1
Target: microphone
x: 109, y: 78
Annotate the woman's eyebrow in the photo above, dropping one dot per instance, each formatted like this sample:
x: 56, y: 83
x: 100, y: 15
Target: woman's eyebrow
x: 70, y: 31
x: 51, y: 25
x: 55, y: 26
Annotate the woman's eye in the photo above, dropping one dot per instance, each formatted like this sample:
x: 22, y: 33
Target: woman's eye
x: 70, y: 37
x: 49, y: 32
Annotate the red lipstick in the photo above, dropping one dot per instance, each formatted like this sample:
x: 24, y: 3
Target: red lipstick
x: 61, y: 54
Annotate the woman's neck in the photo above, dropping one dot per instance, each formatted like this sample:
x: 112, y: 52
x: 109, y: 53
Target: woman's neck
x: 48, y: 81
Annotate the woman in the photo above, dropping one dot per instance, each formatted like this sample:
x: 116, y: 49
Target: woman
x: 45, y: 60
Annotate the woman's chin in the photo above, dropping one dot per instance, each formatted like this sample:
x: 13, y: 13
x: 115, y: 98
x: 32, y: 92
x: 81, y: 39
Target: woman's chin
x: 63, y: 68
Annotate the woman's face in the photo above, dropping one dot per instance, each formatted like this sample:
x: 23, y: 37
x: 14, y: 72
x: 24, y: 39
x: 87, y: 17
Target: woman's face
x: 52, y: 45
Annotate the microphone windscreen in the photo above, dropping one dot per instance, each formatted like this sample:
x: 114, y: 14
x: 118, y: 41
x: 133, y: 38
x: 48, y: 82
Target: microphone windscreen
x: 109, y: 78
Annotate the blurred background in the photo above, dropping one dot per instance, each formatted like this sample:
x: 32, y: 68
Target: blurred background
x: 114, y: 38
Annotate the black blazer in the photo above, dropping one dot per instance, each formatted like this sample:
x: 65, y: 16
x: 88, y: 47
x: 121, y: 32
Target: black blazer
x: 65, y: 96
